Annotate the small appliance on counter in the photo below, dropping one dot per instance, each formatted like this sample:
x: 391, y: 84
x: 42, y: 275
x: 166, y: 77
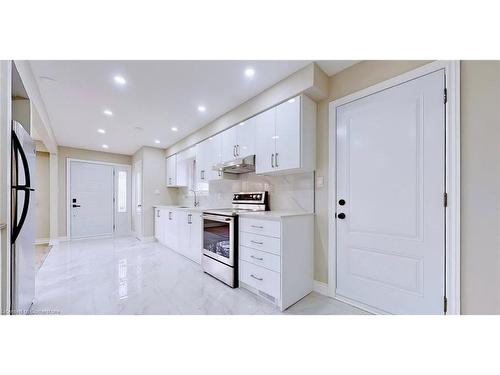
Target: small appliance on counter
x: 220, y: 235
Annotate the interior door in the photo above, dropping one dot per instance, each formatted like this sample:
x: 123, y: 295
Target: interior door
x: 123, y: 200
x: 91, y: 199
x: 137, y: 191
x: 390, y: 186
x: 265, y: 141
x: 288, y: 135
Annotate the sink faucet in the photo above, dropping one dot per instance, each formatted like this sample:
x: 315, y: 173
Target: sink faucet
x: 196, y: 202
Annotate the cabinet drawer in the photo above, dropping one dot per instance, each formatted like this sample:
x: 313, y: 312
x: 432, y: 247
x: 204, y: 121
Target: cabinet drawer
x: 264, y: 243
x: 266, y: 227
x: 260, y: 258
x: 260, y: 278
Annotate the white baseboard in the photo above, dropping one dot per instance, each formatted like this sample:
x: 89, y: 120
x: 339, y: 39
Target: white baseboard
x: 42, y: 241
x: 63, y: 239
x: 320, y: 287
x: 148, y: 239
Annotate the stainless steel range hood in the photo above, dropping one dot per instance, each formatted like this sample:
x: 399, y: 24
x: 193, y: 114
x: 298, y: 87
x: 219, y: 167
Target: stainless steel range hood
x: 237, y: 166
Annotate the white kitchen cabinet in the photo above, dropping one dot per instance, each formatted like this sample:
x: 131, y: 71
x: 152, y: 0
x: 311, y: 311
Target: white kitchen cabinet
x: 184, y: 162
x: 208, y: 154
x: 180, y: 230
x: 229, y: 141
x: 160, y: 224
x: 276, y: 256
x: 171, y: 235
x: 171, y: 164
x: 286, y: 138
x: 245, y: 137
x: 239, y: 141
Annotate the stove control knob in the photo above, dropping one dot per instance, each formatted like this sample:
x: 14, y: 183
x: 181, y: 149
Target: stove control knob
x: 236, y: 196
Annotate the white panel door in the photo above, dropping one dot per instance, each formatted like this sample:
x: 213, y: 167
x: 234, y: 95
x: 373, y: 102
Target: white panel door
x: 245, y: 137
x: 265, y: 142
x: 123, y: 200
x: 228, y: 139
x: 288, y: 135
x: 91, y: 199
x: 391, y: 174
x: 172, y: 170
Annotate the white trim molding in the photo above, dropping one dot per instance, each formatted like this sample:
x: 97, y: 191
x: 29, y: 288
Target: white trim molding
x: 320, y: 287
x: 452, y: 74
x: 42, y: 241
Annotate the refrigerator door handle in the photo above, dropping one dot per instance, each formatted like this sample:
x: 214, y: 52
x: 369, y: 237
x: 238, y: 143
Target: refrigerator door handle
x: 16, y: 227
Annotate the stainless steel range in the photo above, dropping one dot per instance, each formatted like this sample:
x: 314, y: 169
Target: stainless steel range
x: 220, y: 235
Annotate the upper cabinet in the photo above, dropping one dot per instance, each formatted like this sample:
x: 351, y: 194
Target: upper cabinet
x: 172, y: 171
x: 208, y: 154
x: 239, y: 141
x: 286, y: 137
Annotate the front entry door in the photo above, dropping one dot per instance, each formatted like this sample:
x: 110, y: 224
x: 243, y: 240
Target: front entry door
x: 390, y: 188
x: 91, y: 199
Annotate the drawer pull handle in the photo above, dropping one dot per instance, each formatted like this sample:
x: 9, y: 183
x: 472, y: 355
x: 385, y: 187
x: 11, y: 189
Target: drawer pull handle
x: 257, y: 226
x: 256, y: 278
x: 257, y: 242
x: 254, y: 257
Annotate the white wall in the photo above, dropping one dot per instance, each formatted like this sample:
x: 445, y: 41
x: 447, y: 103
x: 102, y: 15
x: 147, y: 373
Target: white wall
x: 42, y: 195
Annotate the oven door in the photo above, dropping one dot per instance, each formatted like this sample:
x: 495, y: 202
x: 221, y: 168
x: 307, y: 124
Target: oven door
x: 218, y: 238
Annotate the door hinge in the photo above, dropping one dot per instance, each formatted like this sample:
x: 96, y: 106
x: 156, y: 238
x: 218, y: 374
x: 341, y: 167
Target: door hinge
x: 445, y: 199
x: 445, y: 304
x: 445, y: 96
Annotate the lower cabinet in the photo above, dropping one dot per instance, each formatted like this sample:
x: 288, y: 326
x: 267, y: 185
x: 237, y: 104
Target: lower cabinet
x: 180, y: 230
x: 276, y: 257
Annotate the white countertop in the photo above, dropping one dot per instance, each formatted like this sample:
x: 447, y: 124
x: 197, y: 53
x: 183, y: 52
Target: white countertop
x: 277, y: 214
x: 180, y: 208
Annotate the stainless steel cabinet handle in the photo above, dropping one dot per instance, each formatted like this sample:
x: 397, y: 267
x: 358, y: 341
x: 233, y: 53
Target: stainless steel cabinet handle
x: 276, y: 158
x: 257, y: 242
x: 257, y: 226
x: 256, y: 278
x: 189, y: 219
x: 234, y: 151
x: 157, y: 213
x: 237, y: 150
x: 254, y: 257
x: 170, y: 216
x: 272, y: 160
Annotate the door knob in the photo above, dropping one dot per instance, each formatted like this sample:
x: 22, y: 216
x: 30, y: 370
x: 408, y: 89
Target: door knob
x: 341, y: 215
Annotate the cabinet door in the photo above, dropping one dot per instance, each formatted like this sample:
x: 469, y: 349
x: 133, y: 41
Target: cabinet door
x: 182, y: 167
x: 288, y: 135
x: 265, y: 141
x: 182, y: 232
x: 171, y: 170
x: 201, y: 160
x: 157, y: 224
x: 228, y: 139
x: 195, y: 237
x: 171, y: 237
x: 214, y: 157
x: 245, y: 137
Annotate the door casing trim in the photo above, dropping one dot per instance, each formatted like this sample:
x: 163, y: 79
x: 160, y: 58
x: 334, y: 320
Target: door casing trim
x: 68, y: 192
x: 452, y: 171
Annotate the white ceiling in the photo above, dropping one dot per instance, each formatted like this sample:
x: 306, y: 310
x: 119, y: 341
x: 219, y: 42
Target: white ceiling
x: 158, y: 95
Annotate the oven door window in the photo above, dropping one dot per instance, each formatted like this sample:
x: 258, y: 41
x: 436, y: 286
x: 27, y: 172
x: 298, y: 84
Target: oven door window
x: 217, y: 237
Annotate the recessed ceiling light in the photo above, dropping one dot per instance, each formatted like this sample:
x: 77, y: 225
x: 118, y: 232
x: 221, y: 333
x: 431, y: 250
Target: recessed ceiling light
x: 120, y: 80
x: 107, y: 112
x: 174, y: 128
x: 201, y: 108
x: 105, y: 146
x: 138, y: 128
x: 249, y: 72
x: 157, y: 141
x: 102, y: 131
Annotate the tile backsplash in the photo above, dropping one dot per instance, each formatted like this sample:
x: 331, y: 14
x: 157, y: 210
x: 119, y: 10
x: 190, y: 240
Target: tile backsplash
x: 286, y: 192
